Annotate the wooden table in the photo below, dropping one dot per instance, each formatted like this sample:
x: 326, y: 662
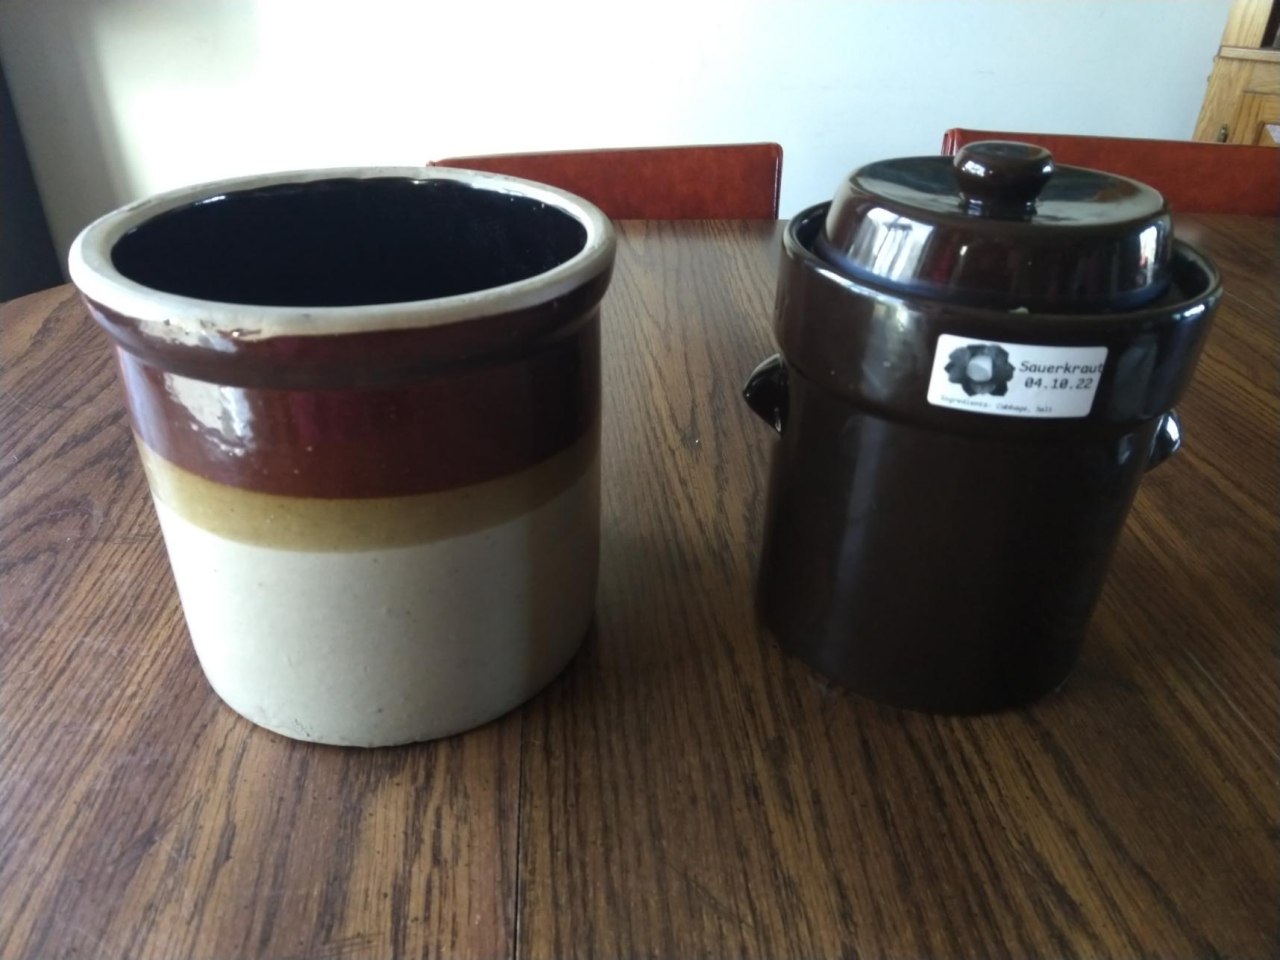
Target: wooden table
x: 683, y: 789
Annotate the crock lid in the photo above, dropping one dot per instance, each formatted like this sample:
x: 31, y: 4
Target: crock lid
x: 1001, y: 226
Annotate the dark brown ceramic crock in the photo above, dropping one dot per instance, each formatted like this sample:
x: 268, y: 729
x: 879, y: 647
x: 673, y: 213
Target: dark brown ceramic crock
x: 978, y: 363
x: 368, y: 405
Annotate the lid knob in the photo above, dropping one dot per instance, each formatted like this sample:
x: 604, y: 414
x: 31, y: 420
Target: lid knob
x: 1001, y: 179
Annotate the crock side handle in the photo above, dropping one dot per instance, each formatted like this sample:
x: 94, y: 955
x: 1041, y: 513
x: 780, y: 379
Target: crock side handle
x: 766, y: 392
x: 1167, y: 440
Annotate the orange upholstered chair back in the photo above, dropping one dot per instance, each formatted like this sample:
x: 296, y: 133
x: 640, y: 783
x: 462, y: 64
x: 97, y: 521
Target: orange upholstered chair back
x: 724, y: 181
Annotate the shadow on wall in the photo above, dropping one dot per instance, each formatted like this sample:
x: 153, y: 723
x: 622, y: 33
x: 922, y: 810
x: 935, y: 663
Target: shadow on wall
x: 27, y: 259
x: 57, y: 85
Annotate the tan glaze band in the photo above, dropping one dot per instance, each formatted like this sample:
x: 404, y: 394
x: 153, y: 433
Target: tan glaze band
x: 351, y: 524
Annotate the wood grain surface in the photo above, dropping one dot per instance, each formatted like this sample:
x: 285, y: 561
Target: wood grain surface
x: 683, y: 789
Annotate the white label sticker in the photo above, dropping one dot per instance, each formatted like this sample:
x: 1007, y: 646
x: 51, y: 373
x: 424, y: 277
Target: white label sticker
x: 1015, y: 379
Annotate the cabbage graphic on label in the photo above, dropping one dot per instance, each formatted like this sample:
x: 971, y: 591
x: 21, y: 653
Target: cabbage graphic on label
x: 981, y: 368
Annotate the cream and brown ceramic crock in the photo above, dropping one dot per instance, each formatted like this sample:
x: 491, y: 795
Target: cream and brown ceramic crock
x: 368, y: 405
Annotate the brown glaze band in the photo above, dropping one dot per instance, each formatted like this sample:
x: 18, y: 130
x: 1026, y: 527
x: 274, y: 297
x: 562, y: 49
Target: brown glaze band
x: 448, y: 430
x: 321, y: 524
x: 378, y: 357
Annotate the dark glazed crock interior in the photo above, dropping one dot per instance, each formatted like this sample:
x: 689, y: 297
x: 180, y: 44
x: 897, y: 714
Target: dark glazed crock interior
x: 348, y: 242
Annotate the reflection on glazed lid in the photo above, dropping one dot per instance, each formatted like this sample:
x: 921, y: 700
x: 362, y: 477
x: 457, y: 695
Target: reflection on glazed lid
x: 1001, y: 225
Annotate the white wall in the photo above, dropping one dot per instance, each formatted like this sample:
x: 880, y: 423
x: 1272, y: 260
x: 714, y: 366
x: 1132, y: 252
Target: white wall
x: 120, y: 98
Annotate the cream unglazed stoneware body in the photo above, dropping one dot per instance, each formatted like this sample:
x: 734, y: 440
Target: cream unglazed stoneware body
x: 368, y: 406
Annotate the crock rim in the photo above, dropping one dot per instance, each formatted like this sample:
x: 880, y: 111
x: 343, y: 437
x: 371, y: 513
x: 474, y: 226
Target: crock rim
x: 191, y: 320
x: 1182, y: 310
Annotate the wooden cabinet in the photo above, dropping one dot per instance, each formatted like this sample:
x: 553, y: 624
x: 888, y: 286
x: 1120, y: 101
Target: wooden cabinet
x: 1257, y: 119
x: 1242, y: 104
